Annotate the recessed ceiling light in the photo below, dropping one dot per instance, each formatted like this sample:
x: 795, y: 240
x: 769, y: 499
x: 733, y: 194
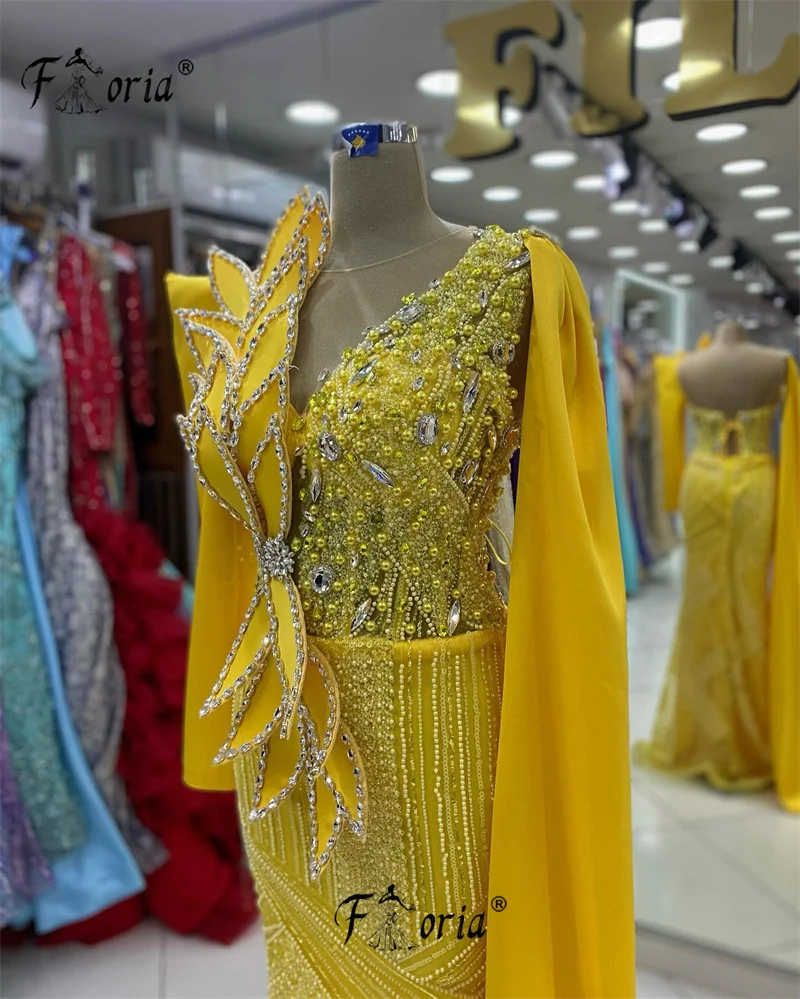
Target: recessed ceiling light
x: 754, y: 288
x: 312, y: 113
x: 511, y: 116
x: 623, y: 252
x: 501, y: 193
x: 738, y: 167
x: 688, y: 246
x: 786, y: 237
x: 760, y: 191
x: 672, y: 81
x: 773, y: 212
x: 652, y: 225
x: 793, y: 254
x: 658, y: 33
x: 452, y: 174
x: 723, y: 132
x: 583, y: 232
x: 590, y: 182
x: 542, y: 215
x: 738, y: 275
x: 553, y: 159
x: 718, y: 263
x: 797, y: 271
x: 681, y: 279
x: 218, y: 192
x: 655, y: 267
x: 439, y: 83
x: 751, y: 324
x: 626, y: 206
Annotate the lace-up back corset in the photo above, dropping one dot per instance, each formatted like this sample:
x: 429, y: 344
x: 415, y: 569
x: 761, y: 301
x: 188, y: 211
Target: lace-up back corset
x: 399, y: 457
x: 748, y: 432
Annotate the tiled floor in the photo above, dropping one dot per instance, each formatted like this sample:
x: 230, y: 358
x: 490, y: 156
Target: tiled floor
x: 150, y: 963
x: 720, y: 868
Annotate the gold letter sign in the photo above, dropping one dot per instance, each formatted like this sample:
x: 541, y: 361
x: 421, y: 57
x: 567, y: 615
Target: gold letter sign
x: 485, y: 79
x: 709, y: 81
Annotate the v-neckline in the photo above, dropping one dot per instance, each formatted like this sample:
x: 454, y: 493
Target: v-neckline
x: 433, y: 285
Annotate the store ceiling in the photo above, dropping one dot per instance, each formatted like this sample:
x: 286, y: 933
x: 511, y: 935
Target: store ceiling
x: 365, y: 58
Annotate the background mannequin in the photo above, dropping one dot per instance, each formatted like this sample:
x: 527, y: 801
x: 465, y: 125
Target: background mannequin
x: 386, y: 241
x: 733, y: 374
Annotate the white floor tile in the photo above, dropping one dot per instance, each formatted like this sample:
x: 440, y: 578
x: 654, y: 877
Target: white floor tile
x: 787, y: 953
x: 684, y: 887
x: 641, y: 711
x: 768, y: 846
x: 650, y: 985
x: 695, y: 800
x: 124, y: 968
x: 197, y: 969
x: 647, y: 812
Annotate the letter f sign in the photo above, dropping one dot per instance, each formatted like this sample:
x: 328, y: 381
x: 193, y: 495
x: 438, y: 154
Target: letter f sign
x: 41, y: 79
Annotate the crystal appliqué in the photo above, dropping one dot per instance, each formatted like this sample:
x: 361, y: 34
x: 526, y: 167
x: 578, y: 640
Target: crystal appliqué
x: 250, y: 476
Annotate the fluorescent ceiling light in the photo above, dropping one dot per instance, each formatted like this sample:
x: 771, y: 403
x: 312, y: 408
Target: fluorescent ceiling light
x: 312, y: 113
x: 626, y: 206
x: 760, y: 191
x: 590, y: 182
x: 452, y: 174
x: 542, y: 215
x: 655, y: 267
x: 773, y: 212
x: 652, y: 225
x: 740, y: 167
x: 682, y: 279
x: 723, y: 132
x: 501, y: 193
x: 793, y: 254
x: 672, y: 81
x: 754, y: 288
x: 554, y: 159
x: 718, y: 263
x: 623, y: 252
x: 658, y: 33
x: 786, y: 237
x: 511, y: 116
x: 688, y: 246
x: 439, y: 83
x: 583, y: 232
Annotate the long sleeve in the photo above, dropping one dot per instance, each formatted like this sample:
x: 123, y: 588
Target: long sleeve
x: 671, y: 413
x: 225, y: 569
x: 784, y: 651
x: 561, y: 839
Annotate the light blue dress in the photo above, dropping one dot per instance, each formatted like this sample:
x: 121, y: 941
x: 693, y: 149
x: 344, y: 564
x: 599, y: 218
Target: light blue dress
x: 101, y: 871
x: 627, y: 532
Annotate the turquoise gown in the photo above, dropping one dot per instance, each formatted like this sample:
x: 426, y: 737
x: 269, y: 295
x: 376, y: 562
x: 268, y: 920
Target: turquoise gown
x: 92, y: 867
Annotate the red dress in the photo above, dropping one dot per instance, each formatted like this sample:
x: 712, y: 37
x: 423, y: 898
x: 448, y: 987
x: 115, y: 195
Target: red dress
x: 203, y: 887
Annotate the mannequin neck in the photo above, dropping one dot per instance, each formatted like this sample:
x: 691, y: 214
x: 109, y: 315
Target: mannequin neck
x: 379, y: 207
x: 729, y: 333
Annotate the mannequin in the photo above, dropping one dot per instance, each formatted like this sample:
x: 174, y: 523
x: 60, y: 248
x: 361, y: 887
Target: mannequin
x: 386, y: 242
x: 733, y: 374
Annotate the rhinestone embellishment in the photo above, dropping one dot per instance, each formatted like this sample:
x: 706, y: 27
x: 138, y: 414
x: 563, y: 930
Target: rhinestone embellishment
x: 471, y: 392
x: 379, y: 473
x: 516, y: 262
x: 329, y: 446
x: 417, y: 384
x: 453, y: 617
x: 275, y: 557
x: 361, y: 615
x: 324, y: 375
x: 315, y: 489
x: 411, y: 311
x: 363, y: 372
x: 427, y: 429
x: 503, y: 352
x: 321, y: 578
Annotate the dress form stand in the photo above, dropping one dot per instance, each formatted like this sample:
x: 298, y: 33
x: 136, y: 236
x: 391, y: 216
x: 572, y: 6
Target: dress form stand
x: 733, y: 374
x: 386, y: 242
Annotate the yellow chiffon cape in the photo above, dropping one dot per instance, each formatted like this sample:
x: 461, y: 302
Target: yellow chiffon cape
x: 561, y: 842
x: 784, y: 627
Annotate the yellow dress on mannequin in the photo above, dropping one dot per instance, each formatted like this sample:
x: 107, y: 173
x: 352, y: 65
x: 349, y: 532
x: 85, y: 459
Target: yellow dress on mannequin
x: 342, y: 581
x: 729, y: 707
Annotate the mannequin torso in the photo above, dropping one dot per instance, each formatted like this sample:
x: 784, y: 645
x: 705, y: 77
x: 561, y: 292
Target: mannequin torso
x: 733, y: 375
x: 386, y: 242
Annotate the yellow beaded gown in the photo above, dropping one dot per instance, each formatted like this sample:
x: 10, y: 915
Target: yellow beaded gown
x: 728, y: 710
x: 350, y: 652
